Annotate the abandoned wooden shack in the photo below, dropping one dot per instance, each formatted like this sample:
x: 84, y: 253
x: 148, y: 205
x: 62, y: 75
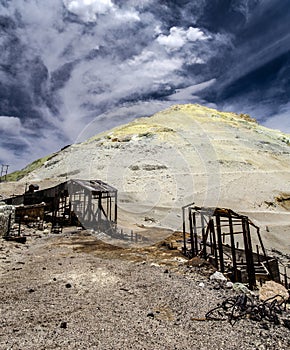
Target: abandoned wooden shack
x: 224, y: 238
x: 90, y: 203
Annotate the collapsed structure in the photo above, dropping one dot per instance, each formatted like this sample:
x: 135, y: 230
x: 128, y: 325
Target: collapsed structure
x: 90, y: 203
x: 225, y: 239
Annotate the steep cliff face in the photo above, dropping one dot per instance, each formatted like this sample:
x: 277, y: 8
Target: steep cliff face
x: 187, y: 153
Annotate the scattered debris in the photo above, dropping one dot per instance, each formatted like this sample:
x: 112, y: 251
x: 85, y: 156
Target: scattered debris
x: 17, y: 239
x: 234, y: 309
x: 240, y: 287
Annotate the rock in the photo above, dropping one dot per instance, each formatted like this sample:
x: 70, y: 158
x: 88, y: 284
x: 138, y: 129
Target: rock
x: 201, y: 284
x: 31, y: 290
x: 150, y: 314
x: 196, y: 262
x: 154, y: 264
x: 286, y: 323
x: 63, y: 325
x: 271, y: 289
x: 264, y: 325
x: 68, y: 285
x: 147, y: 218
x: 218, y: 277
x: 229, y: 285
x: 180, y: 259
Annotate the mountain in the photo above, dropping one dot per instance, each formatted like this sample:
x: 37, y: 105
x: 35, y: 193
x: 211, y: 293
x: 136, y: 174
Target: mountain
x: 188, y: 153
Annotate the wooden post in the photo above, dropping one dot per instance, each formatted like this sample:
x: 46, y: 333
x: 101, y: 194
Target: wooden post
x: 183, y: 228
x: 99, y: 209
x: 220, y: 244
x: 203, y: 235
x: 19, y: 226
x: 115, y: 218
x: 258, y: 253
x: 234, y: 259
x: 190, y: 214
x: 211, y: 223
x: 249, y: 254
x: 195, y: 234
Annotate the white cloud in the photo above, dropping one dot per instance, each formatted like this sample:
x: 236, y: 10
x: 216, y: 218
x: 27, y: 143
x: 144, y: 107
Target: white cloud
x: 194, y: 34
x: 175, y: 40
x: 179, y: 36
x: 10, y: 125
x: 127, y: 15
x: 88, y: 10
x: 121, y: 55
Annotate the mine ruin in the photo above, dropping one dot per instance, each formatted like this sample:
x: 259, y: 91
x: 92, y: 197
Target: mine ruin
x: 218, y: 235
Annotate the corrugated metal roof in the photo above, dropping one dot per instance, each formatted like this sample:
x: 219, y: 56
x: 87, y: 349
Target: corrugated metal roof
x: 93, y: 185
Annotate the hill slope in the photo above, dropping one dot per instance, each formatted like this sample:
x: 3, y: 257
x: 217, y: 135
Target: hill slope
x: 187, y: 153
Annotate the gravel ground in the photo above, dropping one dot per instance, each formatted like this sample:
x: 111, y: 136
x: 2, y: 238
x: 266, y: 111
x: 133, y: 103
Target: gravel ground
x: 55, y: 295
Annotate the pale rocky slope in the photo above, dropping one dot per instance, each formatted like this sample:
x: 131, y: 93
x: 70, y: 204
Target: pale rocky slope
x: 185, y: 154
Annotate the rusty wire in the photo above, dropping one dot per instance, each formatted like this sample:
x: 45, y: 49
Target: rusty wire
x: 234, y: 309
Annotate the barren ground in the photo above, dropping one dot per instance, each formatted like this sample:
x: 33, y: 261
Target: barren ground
x: 72, y: 291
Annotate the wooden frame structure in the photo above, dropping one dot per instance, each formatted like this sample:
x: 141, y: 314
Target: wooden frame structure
x: 92, y: 203
x: 225, y: 239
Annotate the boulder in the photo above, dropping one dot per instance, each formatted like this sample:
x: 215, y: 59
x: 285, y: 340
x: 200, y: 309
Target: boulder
x: 218, y: 277
x: 273, y: 289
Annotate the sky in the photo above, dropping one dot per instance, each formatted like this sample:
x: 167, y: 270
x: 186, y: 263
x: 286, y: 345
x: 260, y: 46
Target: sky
x: 66, y: 63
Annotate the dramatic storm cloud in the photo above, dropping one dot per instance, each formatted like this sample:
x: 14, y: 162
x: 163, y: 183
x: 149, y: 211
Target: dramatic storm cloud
x: 64, y: 64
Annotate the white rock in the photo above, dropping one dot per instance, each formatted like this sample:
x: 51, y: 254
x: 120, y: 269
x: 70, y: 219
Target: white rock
x: 180, y: 259
x: 154, y: 264
x: 218, y: 276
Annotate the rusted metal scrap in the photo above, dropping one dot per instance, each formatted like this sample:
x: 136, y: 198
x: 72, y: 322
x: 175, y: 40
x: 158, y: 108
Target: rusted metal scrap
x: 241, y: 306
